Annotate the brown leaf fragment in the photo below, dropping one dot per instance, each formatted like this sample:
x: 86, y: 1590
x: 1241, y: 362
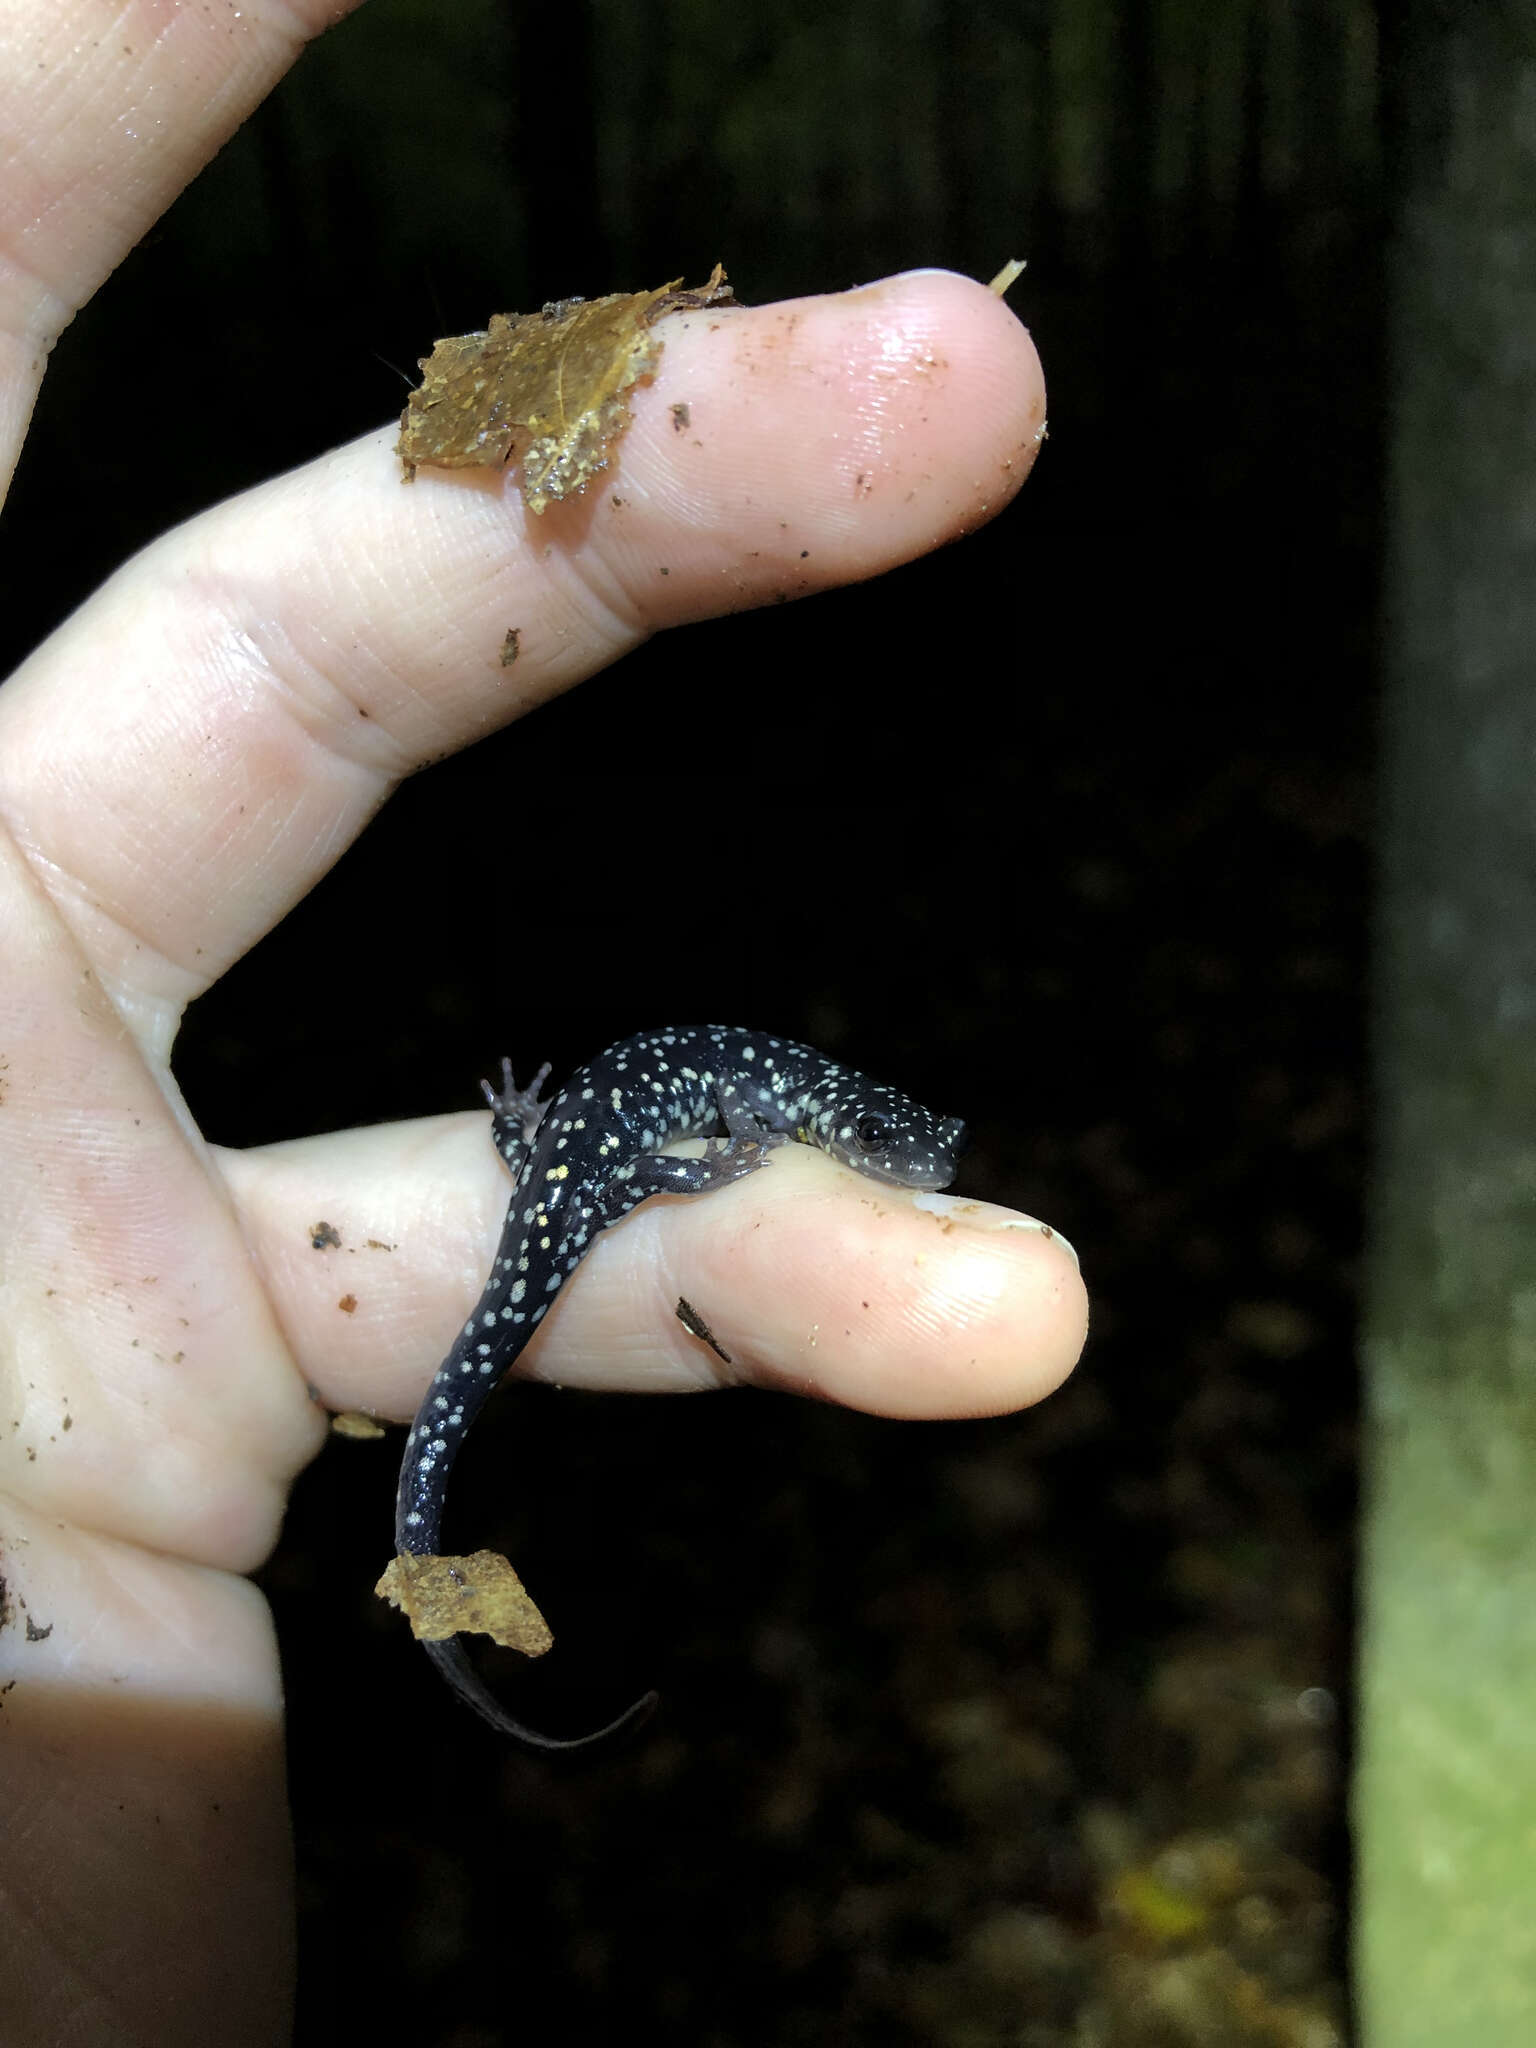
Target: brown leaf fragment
x: 550, y: 387
x: 681, y: 298
x: 512, y: 646
x: 480, y: 1594
x: 354, y: 1423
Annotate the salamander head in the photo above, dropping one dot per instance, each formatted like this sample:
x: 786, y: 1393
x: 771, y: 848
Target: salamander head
x: 887, y: 1135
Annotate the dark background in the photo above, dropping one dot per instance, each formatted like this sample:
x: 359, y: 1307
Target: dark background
x: 993, y: 1733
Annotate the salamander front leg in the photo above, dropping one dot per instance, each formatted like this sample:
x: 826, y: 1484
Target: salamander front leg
x: 745, y: 1119
x: 652, y: 1174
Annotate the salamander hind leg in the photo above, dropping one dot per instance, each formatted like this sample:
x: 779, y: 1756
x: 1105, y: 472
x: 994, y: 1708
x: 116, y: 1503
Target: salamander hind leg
x: 517, y: 1113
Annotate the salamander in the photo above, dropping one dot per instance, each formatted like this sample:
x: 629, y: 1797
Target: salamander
x: 580, y: 1163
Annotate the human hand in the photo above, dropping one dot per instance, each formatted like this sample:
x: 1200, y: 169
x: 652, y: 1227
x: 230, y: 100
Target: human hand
x: 178, y: 765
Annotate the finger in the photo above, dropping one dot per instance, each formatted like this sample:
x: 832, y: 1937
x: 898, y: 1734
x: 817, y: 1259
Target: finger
x: 104, y: 116
x: 148, y: 1394
x: 279, y: 664
x: 810, y: 1276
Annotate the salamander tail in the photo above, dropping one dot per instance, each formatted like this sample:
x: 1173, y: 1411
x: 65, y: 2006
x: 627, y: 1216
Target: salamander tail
x: 452, y: 1662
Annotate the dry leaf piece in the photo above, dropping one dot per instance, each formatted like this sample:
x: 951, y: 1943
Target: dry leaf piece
x: 446, y: 1596
x: 551, y: 387
x: 354, y: 1423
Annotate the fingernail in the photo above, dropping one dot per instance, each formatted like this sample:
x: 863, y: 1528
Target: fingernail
x: 991, y: 1216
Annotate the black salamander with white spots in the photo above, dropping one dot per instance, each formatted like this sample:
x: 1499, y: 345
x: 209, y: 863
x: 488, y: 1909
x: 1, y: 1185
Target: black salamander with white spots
x: 581, y: 1163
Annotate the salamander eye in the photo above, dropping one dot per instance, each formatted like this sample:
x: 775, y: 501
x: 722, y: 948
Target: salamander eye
x: 874, y: 1131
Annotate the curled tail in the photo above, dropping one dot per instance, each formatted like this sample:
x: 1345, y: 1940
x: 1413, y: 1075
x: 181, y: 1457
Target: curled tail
x: 456, y: 1668
x: 418, y: 1519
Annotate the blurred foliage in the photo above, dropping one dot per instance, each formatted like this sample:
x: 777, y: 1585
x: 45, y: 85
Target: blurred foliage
x: 1445, y: 1795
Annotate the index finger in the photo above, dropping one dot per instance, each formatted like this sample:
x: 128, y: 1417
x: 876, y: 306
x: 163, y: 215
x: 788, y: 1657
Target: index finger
x: 279, y: 664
